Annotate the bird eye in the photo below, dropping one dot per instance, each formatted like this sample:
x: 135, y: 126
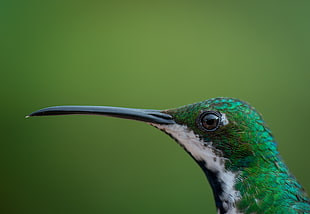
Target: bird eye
x: 209, y: 120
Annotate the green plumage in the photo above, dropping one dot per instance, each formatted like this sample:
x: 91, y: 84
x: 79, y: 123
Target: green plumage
x: 264, y: 182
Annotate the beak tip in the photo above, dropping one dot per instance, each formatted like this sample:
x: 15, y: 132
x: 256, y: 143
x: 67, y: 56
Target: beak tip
x: 27, y: 116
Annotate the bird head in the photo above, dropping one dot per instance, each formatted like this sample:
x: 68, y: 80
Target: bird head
x: 227, y: 138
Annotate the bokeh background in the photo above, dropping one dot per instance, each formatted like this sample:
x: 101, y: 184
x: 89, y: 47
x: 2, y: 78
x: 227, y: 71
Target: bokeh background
x: 144, y: 54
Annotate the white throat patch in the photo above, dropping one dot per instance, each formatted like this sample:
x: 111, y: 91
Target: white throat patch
x: 203, y: 151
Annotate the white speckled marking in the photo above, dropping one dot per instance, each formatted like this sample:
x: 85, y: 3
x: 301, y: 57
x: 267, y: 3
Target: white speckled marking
x: 224, y: 119
x: 204, y: 151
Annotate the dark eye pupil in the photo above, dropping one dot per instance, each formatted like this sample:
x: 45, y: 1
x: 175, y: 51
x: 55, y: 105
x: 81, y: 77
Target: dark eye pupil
x: 210, y: 121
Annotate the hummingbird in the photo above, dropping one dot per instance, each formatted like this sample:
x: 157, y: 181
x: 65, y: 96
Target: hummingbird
x: 230, y: 142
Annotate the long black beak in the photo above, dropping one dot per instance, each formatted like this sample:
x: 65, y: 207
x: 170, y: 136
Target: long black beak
x: 146, y: 115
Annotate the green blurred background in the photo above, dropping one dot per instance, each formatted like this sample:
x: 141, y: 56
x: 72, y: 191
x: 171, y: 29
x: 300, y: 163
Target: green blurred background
x: 144, y: 54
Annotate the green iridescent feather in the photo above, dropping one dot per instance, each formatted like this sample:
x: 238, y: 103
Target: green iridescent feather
x: 264, y: 182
